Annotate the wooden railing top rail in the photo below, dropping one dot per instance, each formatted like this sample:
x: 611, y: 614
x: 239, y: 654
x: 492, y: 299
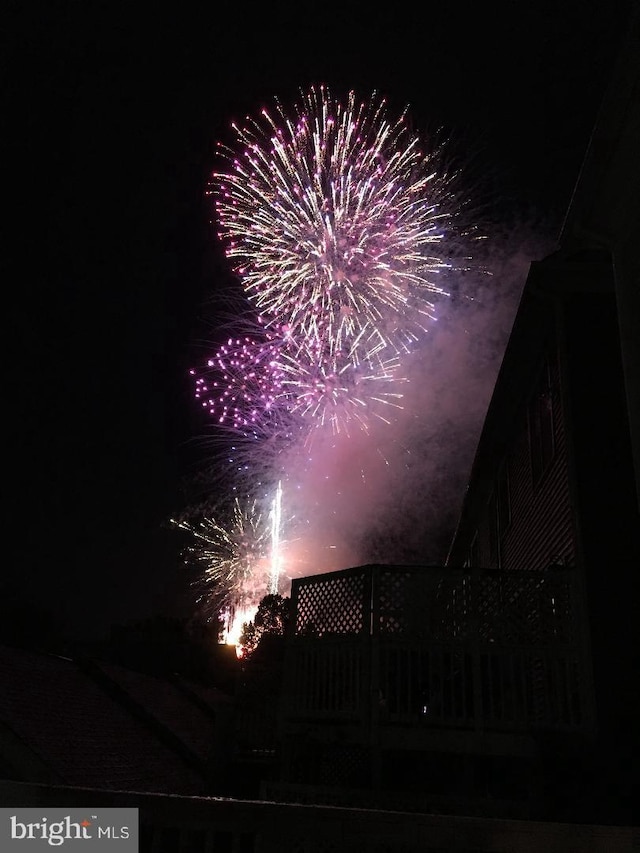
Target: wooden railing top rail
x: 270, y: 826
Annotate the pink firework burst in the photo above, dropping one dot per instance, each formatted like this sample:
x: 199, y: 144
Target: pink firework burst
x: 241, y: 384
x: 335, y: 219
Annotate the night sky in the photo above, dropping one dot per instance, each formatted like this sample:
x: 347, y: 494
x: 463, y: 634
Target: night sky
x: 110, y: 124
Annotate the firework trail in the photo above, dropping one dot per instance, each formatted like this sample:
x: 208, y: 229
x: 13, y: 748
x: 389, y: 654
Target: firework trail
x: 276, y: 555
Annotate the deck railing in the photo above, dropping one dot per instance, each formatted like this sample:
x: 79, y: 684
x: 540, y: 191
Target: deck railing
x: 477, y: 649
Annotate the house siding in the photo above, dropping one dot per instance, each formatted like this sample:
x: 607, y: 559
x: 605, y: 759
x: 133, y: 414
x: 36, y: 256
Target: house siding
x: 540, y: 530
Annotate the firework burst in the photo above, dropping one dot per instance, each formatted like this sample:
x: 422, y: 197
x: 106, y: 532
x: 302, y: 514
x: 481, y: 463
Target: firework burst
x: 259, y: 386
x: 241, y: 386
x: 229, y: 554
x: 333, y: 394
x: 335, y: 222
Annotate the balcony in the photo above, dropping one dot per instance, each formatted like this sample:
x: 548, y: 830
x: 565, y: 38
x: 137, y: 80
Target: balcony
x: 473, y: 650
x: 403, y: 676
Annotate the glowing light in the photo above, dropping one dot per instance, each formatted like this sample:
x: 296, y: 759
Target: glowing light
x: 234, y: 620
x: 276, y: 557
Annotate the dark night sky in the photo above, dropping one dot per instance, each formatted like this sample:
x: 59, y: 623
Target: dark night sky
x: 110, y: 123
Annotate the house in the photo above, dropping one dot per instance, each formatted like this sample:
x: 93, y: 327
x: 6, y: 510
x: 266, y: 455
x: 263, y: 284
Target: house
x: 556, y: 476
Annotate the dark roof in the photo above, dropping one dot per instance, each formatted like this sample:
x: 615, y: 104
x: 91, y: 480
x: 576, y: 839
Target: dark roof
x: 168, y: 706
x: 98, y: 725
x: 211, y: 698
x: 607, y: 188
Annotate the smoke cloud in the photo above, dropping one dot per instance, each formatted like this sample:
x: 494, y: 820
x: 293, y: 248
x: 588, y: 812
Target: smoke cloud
x: 392, y: 495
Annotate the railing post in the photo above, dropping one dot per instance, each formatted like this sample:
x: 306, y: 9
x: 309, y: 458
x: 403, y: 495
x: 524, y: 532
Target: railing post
x: 476, y: 668
x: 374, y: 691
x: 581, y: 643
x: 291, y: 666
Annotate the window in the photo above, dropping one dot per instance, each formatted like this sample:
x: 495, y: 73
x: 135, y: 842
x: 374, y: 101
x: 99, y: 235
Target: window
x: 541, y: 425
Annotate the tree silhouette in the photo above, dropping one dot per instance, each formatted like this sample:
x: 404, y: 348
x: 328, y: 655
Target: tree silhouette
x: 272, y: 617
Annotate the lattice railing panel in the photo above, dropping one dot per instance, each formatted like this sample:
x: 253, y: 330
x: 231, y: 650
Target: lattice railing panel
x: 344, y: 765
x: 411, y: 601
x: 507, y: 607
x: 328, y: 761
x: 332, y: 605
x: 520, y: 609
